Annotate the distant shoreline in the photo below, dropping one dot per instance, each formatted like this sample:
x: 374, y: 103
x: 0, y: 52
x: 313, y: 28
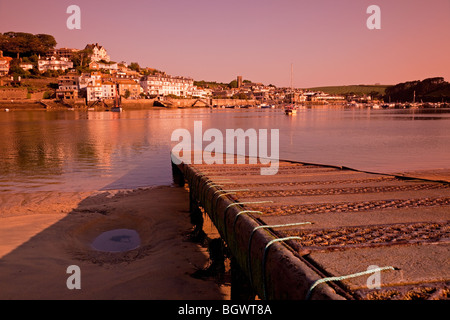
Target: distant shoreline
x: 139, y: 104
x: 54, y: 104
x: 18, y: 105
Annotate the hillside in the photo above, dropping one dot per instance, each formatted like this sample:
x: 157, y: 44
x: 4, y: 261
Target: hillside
x: 428, y: 90
x: 353, y: 89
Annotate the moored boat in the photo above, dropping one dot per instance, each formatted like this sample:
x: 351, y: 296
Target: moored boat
x: 290, y: 110
x: 117, y: 105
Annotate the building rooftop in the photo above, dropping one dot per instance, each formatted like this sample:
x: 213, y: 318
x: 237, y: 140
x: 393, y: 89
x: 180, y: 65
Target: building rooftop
x: 126, y: 81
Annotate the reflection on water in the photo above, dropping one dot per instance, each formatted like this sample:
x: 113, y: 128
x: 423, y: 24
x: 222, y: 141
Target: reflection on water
x: 79, y: 150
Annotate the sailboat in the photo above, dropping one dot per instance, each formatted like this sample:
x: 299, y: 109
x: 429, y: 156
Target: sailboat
x: 291, y: 109
x: 117, y: 105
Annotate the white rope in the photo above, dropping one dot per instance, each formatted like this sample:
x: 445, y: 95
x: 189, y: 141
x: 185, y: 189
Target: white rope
x: 236, y: 190
x: 242, y: 212
x: 353, y: 275
x: 236, y: 204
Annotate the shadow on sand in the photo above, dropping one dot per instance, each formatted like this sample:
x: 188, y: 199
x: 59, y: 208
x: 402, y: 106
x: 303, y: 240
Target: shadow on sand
x: 160, y: 268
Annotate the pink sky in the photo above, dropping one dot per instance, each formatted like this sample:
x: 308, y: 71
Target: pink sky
x: 327, y: 41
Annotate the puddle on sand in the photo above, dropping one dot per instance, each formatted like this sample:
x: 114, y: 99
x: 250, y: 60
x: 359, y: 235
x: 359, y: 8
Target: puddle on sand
x: 118, y: 240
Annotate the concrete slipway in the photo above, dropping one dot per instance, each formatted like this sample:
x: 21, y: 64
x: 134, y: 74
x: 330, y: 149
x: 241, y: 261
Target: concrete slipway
x: 313, y: 231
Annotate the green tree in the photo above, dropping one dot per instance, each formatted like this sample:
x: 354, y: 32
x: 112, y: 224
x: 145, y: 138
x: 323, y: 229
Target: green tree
x: 242, y: 96
x: 26, y: 44
x: 14, y: 43
x: 135, y: 66
x: 47, y: 95
x: 46, y: 42
x: 233, y: 84
x: 376, y: 95
x: 18, y: 71
x: 35, y: 73
x: 81, y: 59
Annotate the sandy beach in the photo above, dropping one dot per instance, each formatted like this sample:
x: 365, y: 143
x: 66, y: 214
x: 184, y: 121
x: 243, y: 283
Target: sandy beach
x: 43, y: 233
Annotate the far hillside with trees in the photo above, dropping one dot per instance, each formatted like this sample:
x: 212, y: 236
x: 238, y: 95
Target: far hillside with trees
x: 428, y: 90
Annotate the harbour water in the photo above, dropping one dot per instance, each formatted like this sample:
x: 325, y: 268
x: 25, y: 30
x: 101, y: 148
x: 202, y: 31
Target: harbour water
x: 96, y: 150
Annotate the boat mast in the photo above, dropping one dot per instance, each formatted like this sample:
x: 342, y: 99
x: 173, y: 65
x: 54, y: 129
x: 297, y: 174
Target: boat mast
x: 292, y: 87
x: 292, y: 71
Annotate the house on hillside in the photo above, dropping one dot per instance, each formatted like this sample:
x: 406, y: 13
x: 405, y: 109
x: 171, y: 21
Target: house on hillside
x: 109, y: 90
x: 26, y: 66
x: 98, y: 52
x: 94, y: 92
x: 62, y: 52
x: 54, y: 63
x: 128, y: 85
x: 163, y: 85
x: 98, y: 65
x: 201, y: 93
x: 68, y: 86
x: 4, y: 64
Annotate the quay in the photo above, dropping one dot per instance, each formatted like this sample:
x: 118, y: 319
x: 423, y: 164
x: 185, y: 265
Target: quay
x: 324, y: 232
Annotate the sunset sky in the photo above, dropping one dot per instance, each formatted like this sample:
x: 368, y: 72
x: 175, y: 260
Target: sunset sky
x: 327, y: 41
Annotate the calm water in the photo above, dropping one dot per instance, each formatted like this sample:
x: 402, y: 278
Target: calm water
x: 117, y: 240
x: 90, y: 150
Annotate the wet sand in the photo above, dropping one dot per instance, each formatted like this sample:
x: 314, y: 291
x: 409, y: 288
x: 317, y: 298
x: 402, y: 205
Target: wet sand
x: 43, y: 233
x: 437, y: 174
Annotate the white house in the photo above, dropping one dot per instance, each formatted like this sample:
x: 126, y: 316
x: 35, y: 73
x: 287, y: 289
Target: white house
x: 89, y: 79
x: 200, y: 93
x: 26, y: 65
x: 95, y: 65
x: 98, y: 52
x: 109, y: 90
x: 94, y: 92
x: 163, y: 85
x: 54, y: 63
